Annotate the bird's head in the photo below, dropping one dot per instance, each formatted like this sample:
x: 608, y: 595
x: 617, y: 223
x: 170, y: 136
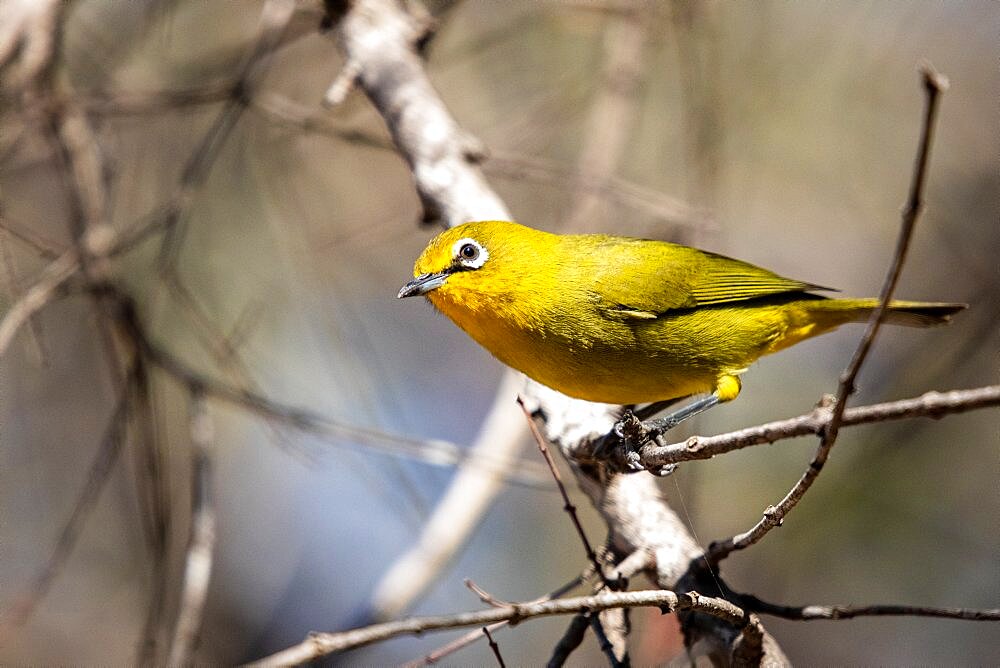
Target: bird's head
x: 474, y: 260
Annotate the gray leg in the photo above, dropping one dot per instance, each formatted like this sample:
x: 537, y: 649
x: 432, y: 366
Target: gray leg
x: 671, y: 420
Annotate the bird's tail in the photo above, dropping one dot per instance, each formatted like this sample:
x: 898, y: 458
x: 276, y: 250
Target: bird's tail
x: 809, y: 318
x: 911, y: 314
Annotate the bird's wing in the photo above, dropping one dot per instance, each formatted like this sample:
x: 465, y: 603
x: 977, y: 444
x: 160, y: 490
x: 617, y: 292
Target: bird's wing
x: 641, y: 281
x: 724, y: 279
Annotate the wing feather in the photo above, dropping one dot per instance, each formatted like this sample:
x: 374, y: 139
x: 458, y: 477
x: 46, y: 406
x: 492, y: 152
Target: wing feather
x: 640, y: 279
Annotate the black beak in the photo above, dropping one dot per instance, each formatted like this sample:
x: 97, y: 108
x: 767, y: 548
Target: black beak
x: 422, y: 284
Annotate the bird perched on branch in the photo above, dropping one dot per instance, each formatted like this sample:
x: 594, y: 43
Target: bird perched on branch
x: 628, y: 321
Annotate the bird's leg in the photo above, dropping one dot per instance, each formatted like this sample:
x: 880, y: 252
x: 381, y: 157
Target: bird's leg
x: 658, y: 426
x: 727, y: 388
x: 649, y: 410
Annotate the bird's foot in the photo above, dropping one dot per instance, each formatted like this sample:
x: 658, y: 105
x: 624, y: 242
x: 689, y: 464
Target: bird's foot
x: 634, y: 433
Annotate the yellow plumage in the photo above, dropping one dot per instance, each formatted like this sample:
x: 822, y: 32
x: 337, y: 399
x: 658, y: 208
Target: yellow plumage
x: 626, y: 321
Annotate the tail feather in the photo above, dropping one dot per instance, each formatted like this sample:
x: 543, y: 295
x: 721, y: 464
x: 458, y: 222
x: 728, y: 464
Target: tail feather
x: 910, y: 314
x: 918, y: 314
x: 809, y: 318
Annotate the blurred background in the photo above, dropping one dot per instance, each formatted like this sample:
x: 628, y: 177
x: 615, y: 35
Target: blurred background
x: 779, y: 133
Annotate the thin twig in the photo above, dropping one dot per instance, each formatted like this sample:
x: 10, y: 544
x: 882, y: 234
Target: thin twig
x: 274, y: 18
x: 437, y: 452
x: 342, y: 85
x: 571, y: 638
x: 605, y: 643
x: 567, y: 504
x: 104, y: 462
x: 471, y: 637
x: 934, y: 85
x: 494, y: 646
x: 834, y: 612
x: 37, y: 296
x: 930, y: 404
x: 153, y: 492
x: 322, y: 644
x: 45, y: 248
x: 201, y: 543
x: 612, y: 111
x: 614, y: 189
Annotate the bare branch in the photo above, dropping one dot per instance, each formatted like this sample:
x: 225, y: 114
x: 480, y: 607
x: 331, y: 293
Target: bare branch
x: 322, y: 644
x: 934, y: 85
x: 435, y: 452
x: 567, y: 504
x: 929, y: 404
x: 381, y: 39
x: 104, y: 462
x: 201, y: 542
x: 571, y: 638
x: 471, y: 637
x: 613, y: 188
x: 37, y: 296
x: 494, y: 646
x: 28, y: 35
x: 834, y: 612
x: 460, y: 509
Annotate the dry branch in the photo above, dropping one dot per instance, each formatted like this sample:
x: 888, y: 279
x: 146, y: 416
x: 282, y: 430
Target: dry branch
x: 37, y: 296
x: 201, y: 542
x: 834, y: 612
x: 934, y: 85
x: 108, y: 453
x: 381, y: 44
x: 323, y: 644
x: 930, y: 404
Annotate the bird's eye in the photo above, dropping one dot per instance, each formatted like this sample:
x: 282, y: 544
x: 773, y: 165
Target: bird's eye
x: 469, y: 253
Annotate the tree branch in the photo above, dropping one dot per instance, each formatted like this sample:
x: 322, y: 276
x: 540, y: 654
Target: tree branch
x: 37, y: 296
x: 934, y: 85
x: 323, y: 644
x: 930, y: 404
x: 201, y: 541
x: 834, y: 612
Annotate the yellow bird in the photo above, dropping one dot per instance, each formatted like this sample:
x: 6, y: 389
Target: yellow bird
x: 627, y: 321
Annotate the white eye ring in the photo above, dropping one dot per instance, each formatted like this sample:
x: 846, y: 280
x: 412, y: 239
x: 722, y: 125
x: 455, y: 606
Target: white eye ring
x: 469, y: 253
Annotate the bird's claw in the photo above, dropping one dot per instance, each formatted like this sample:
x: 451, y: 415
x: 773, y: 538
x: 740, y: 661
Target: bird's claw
x: 634, y: 433
x: 633, y: 462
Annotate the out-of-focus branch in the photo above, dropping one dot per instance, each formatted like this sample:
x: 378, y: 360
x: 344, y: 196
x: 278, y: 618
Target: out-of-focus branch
x: 37, y: 296
x: 934, y: 84
x: 612, y: 188
x: 10, y: 287
x: 381, y: 39
x: 381, y: 42
x: 571, y: 638
x: 28, y: 38
x: 431, y: 451
x: 201, y: 542
x: 104, y: 462
x: 930, y: 404
x: 323, y: 644
x: 468, y: 497
x: 612, y: 111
